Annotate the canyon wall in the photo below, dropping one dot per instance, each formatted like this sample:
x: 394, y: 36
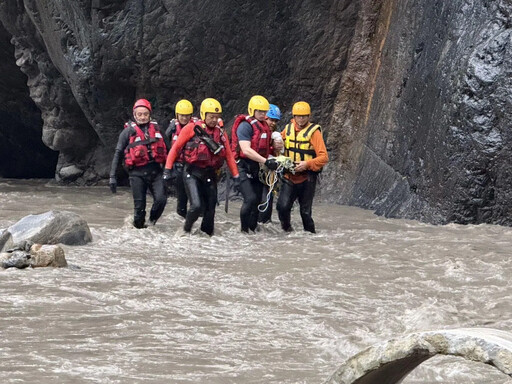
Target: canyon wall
x: 413, y: 95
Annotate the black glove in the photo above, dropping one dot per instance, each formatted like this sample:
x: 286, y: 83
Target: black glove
x: 236, y: 184
x: 272, y: 164
x: 113, y: 184
x: 169, y: 176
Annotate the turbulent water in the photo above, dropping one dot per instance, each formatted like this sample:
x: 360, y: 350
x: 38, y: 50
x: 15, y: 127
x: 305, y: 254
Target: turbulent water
x: 153, y: 306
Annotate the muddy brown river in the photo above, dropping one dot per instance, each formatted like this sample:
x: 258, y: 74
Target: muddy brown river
x: 153, y: 306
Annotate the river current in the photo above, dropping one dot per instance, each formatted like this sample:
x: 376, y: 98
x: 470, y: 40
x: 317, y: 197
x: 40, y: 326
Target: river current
x: 154, y: 306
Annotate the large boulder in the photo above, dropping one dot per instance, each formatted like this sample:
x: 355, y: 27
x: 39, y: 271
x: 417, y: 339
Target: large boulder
x: 51, y: 228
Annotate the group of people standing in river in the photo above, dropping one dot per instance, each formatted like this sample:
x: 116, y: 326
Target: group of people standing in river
x: 190, y: 153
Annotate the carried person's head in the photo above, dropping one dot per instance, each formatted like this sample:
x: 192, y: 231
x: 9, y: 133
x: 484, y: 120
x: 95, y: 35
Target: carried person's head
x: 184, y: 110
x: 258, y: 107
x: 211, y: 112
x: 273, y: 116
x: 142, y: 111
x: 301, y: 112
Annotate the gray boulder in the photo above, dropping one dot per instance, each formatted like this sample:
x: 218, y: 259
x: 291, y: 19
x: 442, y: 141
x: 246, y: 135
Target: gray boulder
x: 51, y: 228
x: 5, y: 239
x: 16, y: 259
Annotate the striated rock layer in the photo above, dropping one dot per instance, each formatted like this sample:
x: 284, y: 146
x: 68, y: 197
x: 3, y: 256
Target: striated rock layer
x: 420, y: 125
x: 413, y: 96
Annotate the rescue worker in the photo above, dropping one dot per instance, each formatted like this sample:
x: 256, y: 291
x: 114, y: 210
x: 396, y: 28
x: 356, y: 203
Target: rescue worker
x: 251, y: 139
x: 183, y: 110
x: 205, y: 147
x: 145, y: 150
x: 272, y: 118
x: 304, y: 144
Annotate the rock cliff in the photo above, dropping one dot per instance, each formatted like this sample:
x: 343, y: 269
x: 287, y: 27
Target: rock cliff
x: 413, y: 96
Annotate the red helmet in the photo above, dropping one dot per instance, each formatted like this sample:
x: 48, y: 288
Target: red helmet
x: 142, y: 103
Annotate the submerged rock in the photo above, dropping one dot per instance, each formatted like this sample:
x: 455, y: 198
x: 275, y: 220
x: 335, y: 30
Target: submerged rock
x: 17, y: 259
x: 38, y: 256
x: 51, y: 228
x: 47, y: 256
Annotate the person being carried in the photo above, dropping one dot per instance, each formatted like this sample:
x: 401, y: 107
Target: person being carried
x: 251, y: 141
x: 145, y: 150
x: 304, y: 144
x: 205, y: 146
x: 183, y: 110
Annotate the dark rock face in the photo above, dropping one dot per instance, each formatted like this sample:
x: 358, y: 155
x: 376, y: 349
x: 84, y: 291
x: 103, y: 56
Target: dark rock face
x: 428, y: 137
x: 88, y: 62
x: 414, y: 96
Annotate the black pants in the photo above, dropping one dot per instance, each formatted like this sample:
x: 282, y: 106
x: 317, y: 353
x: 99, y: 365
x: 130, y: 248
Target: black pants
x: 181, y: 193
x: 201, y: 188
x: 251, y: 189
x: 266, y: 215
x: 142, y: 179
x: 305, y: 192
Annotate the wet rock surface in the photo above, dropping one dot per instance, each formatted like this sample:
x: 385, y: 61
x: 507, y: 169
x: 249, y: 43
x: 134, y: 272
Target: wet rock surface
x: 420, y: 125
x: 413, y: 96
x: 5, y: 239
x: 51, y: 228
x: 392, y: 361
x: 27, y: 254
x: 16, y: 259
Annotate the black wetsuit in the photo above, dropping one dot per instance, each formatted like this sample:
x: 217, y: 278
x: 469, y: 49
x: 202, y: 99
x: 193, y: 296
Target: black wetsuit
x: 251, y: 187
x: 142, y: 178
x: 181, y: 194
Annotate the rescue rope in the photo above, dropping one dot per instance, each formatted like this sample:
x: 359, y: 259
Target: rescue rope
x: 271, y: 178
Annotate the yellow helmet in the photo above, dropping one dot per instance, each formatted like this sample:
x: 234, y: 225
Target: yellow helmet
x: 301, y: 108
x: 258, y: 103
x: 210, y: 105
x: 184, y: 107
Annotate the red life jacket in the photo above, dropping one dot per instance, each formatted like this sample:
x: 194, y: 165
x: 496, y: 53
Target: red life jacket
x: 260, y: 140
x: 178, y: 127
x: 197, y: 153
x: 140, y: 151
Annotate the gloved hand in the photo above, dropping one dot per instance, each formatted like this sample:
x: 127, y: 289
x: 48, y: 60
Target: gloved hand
x: 271, y: 164
x: 113, y: 184
x: 169, y: 176
x: 236, y: 184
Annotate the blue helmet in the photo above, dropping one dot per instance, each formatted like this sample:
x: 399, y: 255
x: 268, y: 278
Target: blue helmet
x: 274, y: 112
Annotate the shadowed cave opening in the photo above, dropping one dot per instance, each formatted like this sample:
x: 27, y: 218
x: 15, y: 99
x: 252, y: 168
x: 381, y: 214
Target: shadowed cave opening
x: 23, y: 153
